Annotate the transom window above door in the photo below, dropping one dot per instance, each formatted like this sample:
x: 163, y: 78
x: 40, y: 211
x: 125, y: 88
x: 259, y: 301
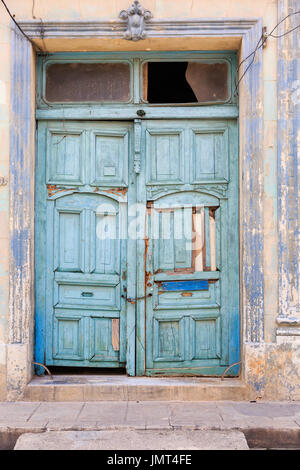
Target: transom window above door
x: 186, y: 79
x: 88, y: 82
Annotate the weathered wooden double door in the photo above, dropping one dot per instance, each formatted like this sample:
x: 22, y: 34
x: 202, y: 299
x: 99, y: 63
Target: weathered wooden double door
x: 137, y: 245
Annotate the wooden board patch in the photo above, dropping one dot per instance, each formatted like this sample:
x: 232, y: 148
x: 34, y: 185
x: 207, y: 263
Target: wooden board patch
x: 184, y: 285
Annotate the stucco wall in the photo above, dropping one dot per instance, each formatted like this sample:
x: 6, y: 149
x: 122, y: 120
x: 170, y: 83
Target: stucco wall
x: 4, y: 192
x: 258, y: 369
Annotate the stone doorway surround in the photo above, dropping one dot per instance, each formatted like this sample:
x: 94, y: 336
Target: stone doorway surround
x: 213, y: 34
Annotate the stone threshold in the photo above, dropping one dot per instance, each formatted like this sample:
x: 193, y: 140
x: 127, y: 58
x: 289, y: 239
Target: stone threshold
x: 123, y: 388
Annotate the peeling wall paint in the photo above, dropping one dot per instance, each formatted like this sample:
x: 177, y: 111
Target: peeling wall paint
x: 273, y: 370
x: 289, y: 167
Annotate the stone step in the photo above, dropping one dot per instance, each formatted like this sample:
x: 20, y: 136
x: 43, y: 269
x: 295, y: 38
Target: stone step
x: 123, y: 388
x: 133, y: 440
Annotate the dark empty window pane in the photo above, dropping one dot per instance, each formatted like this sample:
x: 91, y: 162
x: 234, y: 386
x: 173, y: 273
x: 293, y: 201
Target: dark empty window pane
x: 88, y: 82
x: 185, y: 82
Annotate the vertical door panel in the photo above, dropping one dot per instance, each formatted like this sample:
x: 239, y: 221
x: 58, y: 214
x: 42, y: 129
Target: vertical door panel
x: 82, y: 275
x: 191, y: 255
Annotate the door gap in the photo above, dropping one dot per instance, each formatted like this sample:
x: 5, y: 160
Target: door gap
x: 57, y: 370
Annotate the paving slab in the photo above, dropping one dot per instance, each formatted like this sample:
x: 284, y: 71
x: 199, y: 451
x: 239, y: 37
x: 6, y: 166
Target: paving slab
x: 110, y: 413
x: 152, y: 415
x: 133, y: 440
x: 145, y: 415
x: 245, y: 415
x: 11, y: 412
x: 57, y: 412
x: 271, y: 410
x: 196, y: 415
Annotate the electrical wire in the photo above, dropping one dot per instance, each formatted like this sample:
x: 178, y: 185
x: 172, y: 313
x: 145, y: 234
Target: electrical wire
x: 259, y: 45
x: 19, y: 27
x: 262, y: 40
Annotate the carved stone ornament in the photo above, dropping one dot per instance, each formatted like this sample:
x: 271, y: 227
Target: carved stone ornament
x: 136, y: 17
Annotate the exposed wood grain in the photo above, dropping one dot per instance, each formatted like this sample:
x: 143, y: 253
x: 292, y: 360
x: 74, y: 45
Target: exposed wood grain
x: 115, y: 334
x: 212, y: 231
x: 145, y: 81
x: 198, y: 222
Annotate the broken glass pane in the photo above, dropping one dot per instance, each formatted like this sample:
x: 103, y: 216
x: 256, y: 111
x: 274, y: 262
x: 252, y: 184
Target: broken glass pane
x: 185, y: 82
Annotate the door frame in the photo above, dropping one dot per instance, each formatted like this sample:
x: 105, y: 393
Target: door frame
x: 196, y: 33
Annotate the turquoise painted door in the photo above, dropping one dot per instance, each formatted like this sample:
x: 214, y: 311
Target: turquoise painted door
x: 189, y: 258
x: 82, y: 197
x: 137, y: 245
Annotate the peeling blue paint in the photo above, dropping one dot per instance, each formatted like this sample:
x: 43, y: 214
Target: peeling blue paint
x: 21, y: 186
x: 288, y: 163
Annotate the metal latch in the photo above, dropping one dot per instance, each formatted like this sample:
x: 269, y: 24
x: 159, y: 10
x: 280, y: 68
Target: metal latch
x: 132, y: 301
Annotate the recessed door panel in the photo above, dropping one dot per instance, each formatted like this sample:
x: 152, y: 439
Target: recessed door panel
x: 65, y: 150
x: 164, y: 156
x: 109, y: 157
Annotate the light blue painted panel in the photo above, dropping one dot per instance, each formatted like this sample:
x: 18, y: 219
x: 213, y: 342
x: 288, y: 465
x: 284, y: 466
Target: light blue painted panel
x: 173, y: 234
x: 164, y: 156
x: 84, y: 254
x: 169, y: 340
x: 196, y: 299
x: 204, y: 339
x: 66, y: 150
x: 69, y: 338
x: 105, y: 243
x: 100, y: 340
x: 189, y: 314
x: 68, y: 230
x: 109, y: 154
x: 209, y: 154
x: 87, y: 295
x: 204, y: 158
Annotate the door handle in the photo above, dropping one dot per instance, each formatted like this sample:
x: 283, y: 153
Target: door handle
x: 87, y: 294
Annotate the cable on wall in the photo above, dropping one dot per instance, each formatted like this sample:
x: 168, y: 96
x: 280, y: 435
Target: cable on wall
x: 261, y: 43
x: 262, y: 40
x: 19, y: 27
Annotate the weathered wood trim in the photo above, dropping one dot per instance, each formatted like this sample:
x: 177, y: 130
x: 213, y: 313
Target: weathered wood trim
x: 251, y: 190
x: 288, y: 167
x: 21, y: 305
x: 130, y: 112
x: 156, y: 28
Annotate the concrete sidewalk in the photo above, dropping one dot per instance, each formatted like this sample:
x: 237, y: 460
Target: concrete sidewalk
x: 133, y: 440
x: 279, y: 419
